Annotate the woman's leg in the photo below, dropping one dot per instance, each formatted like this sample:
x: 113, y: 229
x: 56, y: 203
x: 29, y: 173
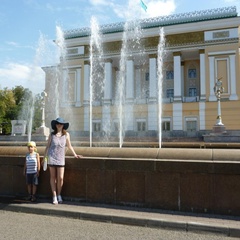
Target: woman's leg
x: 53, y: 178
x: 60, y: 176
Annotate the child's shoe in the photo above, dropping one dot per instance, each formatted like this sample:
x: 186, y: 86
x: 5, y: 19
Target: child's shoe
x: 33, y: 199
x: 29, y: 198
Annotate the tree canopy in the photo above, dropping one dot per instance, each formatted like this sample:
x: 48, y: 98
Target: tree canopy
x: 19, y: 104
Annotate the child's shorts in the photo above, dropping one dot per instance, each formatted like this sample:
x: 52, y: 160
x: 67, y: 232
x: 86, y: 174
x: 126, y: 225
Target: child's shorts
x: 32, y: 178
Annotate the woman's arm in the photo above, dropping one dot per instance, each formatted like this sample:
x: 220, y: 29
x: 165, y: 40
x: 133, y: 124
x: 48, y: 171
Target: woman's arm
x: 38, y: 164
x: 48, y: 145
x: 46, y: 149
x: 69, y: 145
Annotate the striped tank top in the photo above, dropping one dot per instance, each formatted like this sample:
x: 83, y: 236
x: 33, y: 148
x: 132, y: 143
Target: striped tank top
x: 31, y: 163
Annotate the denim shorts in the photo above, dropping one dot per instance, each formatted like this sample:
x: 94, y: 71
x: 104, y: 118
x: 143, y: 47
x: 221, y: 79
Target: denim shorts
x: 32, y: 178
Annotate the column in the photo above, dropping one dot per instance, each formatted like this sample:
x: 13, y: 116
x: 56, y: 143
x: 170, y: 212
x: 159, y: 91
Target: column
x: 202, y: 76
x: 78, y: 87
x: 130, y: 81
x: 128, y: 117
x: 177, y: 76
x: 138, y: 83
x: 116, y: 85
x: 232, y: 70
x: 65, y: 87
x: 86, y: 119
x: 108, y: 82
x: 86, y: 97
x: 182, y: 79
x: 202, y: 113
x: 106, y: 118
x: 153, y: 78
x: 153, y: 117
x: 177, y: 116
x: 128, y: 109
x: 153, y: 91
x: 212, y: 80
x: 106, y: 110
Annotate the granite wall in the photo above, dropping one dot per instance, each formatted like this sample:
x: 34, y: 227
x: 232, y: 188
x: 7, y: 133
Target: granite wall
x: 190, y: 180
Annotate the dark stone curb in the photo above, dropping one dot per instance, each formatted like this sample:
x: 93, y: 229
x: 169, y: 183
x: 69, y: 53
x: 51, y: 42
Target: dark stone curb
x: 127, y: 220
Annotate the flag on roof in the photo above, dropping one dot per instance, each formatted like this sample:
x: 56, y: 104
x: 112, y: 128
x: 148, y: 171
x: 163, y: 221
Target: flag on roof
x: 143, y: 5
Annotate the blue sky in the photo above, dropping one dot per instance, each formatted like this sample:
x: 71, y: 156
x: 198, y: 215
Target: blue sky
x: 28, y: 28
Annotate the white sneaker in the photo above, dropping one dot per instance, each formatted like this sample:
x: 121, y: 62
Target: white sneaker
x: 59, y: 199
x: 55, y: 201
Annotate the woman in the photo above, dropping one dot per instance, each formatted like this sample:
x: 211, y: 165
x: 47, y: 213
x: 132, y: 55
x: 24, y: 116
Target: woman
x: 55, y: 151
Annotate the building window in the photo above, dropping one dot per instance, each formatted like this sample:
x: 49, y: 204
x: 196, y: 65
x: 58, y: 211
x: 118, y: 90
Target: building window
x: 169, y: 75
x: 166, y: 126
x: 170, y: 93
x: 192, y: 73
x: 96, y: 126
x: 191, y: 125
x: 192, y: 92
x: 141, y: 126
x: 147, y: 76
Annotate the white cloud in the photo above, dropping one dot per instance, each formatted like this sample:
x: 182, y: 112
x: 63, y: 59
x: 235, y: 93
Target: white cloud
x: 12, y: 44
x: 231, y: 1
x: 99, y: 2
x: 133, y: 9
x: 17, y: 45
x: 16, y: 74
x: 160, y: 8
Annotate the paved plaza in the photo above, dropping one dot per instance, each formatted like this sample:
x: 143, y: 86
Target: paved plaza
x: 74, y: 220
x: 21, y: 226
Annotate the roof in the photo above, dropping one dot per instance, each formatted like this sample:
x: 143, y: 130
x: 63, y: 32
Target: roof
x: 161, y: 21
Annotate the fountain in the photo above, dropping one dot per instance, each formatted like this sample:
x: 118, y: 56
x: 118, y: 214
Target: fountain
x: 130, y: 45
x: 22, y: 128
x: 161, y: 54
x: 131, y: 50
x: 146, y: 177
x: 96, y: 69
x: 121, y: 108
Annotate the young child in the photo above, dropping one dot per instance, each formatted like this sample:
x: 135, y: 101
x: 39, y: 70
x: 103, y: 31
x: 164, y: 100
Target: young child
x: 31, y: 170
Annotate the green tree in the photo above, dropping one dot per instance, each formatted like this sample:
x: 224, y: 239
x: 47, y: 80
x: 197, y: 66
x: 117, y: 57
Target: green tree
x: 8, y: 109
x: 19, y: 104
x: 37, y: 119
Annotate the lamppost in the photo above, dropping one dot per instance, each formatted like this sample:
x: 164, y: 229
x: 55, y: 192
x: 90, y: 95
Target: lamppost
x: 43, y: 131
x: 43, y: 94
x: 219, y: 89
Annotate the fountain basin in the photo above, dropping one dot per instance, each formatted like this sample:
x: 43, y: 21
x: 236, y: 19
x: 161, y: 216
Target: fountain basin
x: 191, y: 180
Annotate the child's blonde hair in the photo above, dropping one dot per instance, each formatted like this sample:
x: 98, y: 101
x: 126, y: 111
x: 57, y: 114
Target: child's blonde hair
x: 32, y: 144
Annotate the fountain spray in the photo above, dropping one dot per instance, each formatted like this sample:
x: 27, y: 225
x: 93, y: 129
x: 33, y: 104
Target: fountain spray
x: 161, y: 54
x: 96, y: 71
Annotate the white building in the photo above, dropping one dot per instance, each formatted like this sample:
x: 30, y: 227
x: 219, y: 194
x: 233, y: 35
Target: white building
x: 200, y: 47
